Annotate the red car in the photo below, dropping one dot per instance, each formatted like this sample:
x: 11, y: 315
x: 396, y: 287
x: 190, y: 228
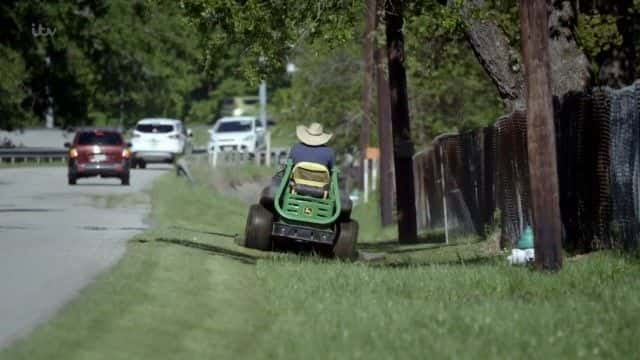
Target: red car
x: 98, y: 152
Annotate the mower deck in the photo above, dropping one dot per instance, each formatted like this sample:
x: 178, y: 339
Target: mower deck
x: 303, y: 233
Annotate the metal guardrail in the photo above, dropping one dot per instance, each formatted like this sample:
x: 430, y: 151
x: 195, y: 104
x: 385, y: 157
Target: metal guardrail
x: 38, y: 155
x: 232, y: 158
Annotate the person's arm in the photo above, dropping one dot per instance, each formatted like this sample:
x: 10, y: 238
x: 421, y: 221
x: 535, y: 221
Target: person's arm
x: 292, y: 152
x: 283, y: 167
x: 332, y: 158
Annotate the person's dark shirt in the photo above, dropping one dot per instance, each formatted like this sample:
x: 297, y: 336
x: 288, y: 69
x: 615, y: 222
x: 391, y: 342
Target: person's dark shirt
x: 316, y: 154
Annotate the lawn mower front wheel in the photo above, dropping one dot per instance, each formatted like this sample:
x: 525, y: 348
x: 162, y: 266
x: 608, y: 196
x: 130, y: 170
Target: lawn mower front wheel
x: 257, y: 233
x: 345, y: 245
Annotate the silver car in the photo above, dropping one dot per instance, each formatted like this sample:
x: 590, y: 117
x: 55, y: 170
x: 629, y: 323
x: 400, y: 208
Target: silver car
x: 159, y: 140
x: 237, y: 133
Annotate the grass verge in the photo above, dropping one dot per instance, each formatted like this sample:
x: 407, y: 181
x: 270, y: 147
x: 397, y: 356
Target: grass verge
x: 283, y: 135
x: 183, y: 292
x: 200, y: 136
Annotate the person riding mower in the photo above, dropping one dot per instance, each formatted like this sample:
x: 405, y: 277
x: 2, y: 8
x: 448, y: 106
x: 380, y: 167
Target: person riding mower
x: 304, y: 203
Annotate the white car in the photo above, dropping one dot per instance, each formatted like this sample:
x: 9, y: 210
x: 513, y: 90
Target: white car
x: 237, y: 133
x: 158, y: 140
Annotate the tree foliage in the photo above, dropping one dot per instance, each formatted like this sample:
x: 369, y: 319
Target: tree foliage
x: 326, y: 88
x: 598, y: 33
x: 448, y: 89
x: 166, y: 58
x: 607, y: 31
x: 268, y: 31
x: 107, y: 59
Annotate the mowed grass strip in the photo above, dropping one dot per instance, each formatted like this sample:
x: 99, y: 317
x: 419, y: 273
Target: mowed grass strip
x: 181, y: 292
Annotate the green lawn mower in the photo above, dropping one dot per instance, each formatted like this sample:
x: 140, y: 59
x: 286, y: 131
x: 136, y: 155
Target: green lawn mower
x: 306, y: 208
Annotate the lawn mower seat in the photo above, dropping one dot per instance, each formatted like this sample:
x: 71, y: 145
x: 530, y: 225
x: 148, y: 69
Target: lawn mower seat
x: 310, y: 179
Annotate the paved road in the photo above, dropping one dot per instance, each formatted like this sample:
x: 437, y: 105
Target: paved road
x: 55, y: 238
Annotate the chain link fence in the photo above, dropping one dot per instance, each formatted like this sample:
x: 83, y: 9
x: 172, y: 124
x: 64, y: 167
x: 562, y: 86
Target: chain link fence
x: 462, y: 179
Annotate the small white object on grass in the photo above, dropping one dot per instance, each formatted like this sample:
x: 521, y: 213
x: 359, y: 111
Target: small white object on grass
x: 520, y: 257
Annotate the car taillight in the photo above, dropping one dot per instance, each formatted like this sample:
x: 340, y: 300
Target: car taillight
x: 174, y: 136
x: 73, y: 153
x: 126, y: 153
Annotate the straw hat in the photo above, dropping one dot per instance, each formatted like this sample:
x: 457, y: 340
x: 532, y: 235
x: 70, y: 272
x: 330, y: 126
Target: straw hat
x: 313, y: 135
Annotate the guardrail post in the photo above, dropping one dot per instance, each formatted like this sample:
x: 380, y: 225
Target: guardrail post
x: 214, y: 158
x: 268, y: 149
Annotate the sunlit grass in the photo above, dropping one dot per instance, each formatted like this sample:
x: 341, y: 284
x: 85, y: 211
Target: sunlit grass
x: 371, y: 229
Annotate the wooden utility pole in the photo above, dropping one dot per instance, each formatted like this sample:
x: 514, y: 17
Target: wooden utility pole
x: 367, y: 85
x: 543, y: 169
x: 384, y: 126
x: 402, y: 145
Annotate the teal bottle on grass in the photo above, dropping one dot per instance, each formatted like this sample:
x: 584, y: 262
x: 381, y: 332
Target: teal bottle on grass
x: 526, y: 239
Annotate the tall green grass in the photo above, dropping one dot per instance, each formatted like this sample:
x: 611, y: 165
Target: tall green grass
x: 200, y: 135
x: 369, y: 218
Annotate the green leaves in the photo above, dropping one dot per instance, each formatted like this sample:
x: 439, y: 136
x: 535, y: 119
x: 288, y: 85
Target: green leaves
x: 327, y: 89
x: 598, y: 33
x: 269, y: 31
x: 106, y: 56
x: 14, y: 75
x: 448, y: 89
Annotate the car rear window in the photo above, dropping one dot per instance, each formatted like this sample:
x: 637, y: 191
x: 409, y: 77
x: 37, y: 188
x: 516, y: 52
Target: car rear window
x: 99, y: 138
x: 154, y: 128
x: 234, y: 126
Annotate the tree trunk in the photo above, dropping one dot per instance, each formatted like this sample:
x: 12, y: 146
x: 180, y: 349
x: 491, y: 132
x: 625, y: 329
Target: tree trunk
x: 494, y: 52
x: 384, y: 129
x: 367, y: 85
x: 570, y: 68
x: 403, y: 147
x: 541, y: 135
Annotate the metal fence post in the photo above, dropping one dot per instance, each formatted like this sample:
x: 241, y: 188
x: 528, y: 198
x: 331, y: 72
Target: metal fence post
x: 374, y: 174
x: 444, y: 195
x: 365, y: 168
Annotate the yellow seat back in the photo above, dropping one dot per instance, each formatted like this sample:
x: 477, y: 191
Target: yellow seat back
x: 311, y: 174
